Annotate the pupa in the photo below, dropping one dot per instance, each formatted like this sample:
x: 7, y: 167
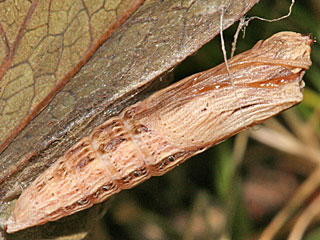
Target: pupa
x: 154, y: 135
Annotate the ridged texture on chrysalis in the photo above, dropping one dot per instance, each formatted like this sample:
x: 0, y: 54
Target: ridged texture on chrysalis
x: 155, y: 135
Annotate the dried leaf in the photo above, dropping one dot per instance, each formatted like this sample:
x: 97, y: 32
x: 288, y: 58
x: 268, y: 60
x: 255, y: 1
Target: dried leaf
x: 147, y: 45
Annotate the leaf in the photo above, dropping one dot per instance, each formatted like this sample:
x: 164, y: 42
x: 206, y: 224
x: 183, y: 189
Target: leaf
x: 44, y: 44
x: 152, y: 41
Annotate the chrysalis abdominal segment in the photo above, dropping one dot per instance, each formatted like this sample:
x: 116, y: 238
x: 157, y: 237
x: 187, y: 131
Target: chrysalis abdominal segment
x: 153, y: 136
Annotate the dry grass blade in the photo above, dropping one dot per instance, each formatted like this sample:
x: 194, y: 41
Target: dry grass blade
x: 305, y: 219
x: 305, y: 131
x: 304, y: 191
x: 287, y: 143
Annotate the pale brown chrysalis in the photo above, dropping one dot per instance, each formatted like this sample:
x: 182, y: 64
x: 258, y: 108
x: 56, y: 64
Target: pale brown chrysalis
x: 153, y: 136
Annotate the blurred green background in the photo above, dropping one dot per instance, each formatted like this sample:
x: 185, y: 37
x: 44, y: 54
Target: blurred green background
x: 209, y: 197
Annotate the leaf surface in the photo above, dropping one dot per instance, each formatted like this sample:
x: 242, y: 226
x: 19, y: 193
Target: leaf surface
x: 43, y: 44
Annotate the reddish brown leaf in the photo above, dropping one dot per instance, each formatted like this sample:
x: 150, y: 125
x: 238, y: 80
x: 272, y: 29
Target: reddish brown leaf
x: 44, y: 44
